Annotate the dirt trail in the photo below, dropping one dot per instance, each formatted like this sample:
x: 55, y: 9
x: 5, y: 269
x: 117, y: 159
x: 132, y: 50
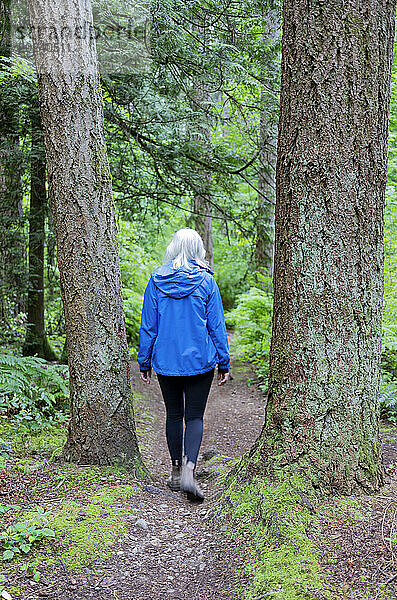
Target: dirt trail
x: 232, y: 421
x: 179, y: 555
x: 170, y: 551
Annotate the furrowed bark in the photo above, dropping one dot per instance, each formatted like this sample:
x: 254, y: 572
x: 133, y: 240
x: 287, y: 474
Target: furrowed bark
x: 323, y: 411
x: 101, y: 429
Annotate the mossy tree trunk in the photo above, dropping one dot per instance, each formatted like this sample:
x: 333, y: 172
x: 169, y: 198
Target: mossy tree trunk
x: 36, y: 341
x: 101, y: 429
x: 322, y: 412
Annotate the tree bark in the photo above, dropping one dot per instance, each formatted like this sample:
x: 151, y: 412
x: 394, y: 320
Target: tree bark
x: 36, y: 341
x: 203, y: 218
x: 12, y: 242
x: 323, y: 411
x: 101, y: 429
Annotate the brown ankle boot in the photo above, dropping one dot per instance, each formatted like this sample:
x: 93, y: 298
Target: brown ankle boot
x: 174, y: 481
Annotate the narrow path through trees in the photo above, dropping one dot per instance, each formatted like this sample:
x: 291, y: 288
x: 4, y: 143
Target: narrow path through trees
x: 169, y: 549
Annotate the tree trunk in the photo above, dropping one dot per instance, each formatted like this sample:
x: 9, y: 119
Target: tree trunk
x: 36, y: 341
x: 323, y: 410
x: 101, y: 429
x: 264, y: 247
x: 202, y: 217
x: 12, y: 242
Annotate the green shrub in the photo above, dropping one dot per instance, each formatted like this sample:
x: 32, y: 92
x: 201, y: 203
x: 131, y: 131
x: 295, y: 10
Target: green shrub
x: 136, y: 266
x: 132, y: 308
x: 252, y: 321
x: 231, y: 265
x: 32, y: 389
x: 21, y: 536
x: 12, y: 329
x: 388, y: 398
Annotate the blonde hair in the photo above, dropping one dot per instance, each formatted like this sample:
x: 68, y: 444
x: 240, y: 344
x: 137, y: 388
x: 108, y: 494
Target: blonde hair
x: 186, y: 245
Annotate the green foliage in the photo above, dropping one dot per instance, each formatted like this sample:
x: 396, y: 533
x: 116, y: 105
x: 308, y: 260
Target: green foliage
x: 30, y: 569
x: 196, y: 114
x: 389, y: 338
x: 31, y: 389
x: 388, y: 397
x: 13, y: 329
x: 231, y: 266
x: 21, y: 536
x: 136, y: 266
x: 252, y: 321
x: 388, y: 390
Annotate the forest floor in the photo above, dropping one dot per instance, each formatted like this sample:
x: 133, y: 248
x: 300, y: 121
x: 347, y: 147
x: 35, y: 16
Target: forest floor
x: 122, y: 540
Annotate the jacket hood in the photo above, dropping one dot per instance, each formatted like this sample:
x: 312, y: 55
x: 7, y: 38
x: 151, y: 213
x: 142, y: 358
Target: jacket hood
x: 178, y: 283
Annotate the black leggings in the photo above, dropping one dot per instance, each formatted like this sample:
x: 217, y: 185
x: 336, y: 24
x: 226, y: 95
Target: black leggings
x: 185, y: 397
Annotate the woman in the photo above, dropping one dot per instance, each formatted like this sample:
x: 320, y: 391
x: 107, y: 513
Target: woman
x: 183, y: 337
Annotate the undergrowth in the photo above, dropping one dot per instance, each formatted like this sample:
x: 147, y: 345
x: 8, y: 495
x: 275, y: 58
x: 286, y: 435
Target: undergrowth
x: 86, y: 511
x: 32, y: 390
x: 252, y: 322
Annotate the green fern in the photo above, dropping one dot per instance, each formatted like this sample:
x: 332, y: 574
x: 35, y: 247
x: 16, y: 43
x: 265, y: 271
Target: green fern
x: 31, y: 388
x: 388, y: 398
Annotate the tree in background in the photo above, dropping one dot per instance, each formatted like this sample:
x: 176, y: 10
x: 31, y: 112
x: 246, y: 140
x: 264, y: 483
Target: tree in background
x: 167, y: 138
x: 264, y: 243
x: 201, y: 102
x: 322, y: 412
x: 101, y: 429
x: 36, y: 342
x: 12, y: 243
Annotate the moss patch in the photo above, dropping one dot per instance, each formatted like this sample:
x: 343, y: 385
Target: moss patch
x: 87, y: 507
x: 47, y: 440
x: 293, y: 545
x: 84, y: 531
x: 268, y: 521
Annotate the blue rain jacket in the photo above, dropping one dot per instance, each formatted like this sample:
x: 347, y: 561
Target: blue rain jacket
x: 183, y: 328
